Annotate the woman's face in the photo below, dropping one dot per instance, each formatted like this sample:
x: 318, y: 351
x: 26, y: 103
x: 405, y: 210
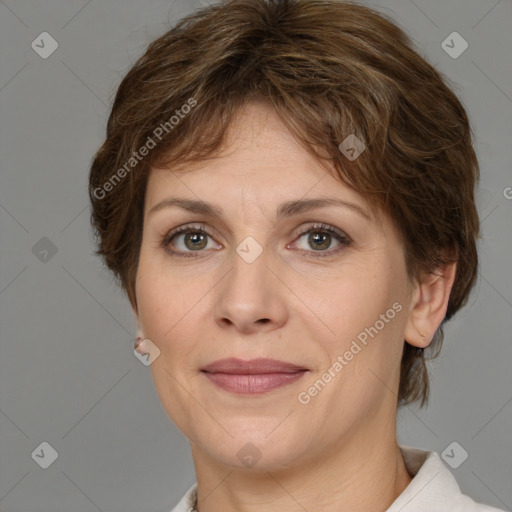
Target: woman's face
x: 323, y: 288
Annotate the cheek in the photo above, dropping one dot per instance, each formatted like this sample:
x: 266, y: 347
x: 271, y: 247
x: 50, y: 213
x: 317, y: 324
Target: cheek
x: 166, y: 315
x: 362, y: 359
x: 365, y: 308
x: 169, y: 304
x: 349, y: 300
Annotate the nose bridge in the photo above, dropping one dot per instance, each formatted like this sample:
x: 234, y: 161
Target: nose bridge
x: 250, y: 293
x: 250, y: 275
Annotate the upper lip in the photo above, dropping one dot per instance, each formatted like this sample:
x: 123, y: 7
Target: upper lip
x: 251, y: 367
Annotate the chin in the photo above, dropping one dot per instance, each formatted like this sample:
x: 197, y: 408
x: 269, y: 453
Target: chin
x: 251, y: 444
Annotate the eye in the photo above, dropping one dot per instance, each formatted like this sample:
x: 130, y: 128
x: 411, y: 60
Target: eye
x: 187, y: 240
x: 320, y: 237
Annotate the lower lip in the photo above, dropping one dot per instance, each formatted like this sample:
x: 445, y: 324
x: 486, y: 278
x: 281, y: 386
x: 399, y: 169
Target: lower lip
x: 252, y: 384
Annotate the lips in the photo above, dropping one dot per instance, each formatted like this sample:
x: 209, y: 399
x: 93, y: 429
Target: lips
x: 252, y: 377
x: 252, y: 367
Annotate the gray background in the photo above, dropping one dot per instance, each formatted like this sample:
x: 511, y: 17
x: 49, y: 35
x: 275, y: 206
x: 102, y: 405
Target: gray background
x: 68, y: 373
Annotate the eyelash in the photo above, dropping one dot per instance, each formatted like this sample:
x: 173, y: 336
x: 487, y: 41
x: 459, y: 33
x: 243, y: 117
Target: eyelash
x: 344, y: 240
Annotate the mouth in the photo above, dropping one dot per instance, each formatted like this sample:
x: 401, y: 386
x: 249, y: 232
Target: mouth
x: 254, y: 376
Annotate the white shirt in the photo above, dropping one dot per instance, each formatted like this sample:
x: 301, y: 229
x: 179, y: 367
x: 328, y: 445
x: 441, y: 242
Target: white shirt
x: 432, y: 489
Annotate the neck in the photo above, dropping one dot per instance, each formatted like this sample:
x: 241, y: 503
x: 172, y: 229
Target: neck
x: 364, y: 473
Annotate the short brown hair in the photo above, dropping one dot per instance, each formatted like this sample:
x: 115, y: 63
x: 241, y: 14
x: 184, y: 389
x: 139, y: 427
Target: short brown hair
x: 330, y: 69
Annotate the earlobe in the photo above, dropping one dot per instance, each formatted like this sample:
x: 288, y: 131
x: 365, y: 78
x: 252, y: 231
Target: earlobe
x: 140, y: 337
x: 428, y: 306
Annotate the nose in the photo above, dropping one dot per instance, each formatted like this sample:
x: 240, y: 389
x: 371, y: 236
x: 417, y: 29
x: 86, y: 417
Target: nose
x: 251, y: 298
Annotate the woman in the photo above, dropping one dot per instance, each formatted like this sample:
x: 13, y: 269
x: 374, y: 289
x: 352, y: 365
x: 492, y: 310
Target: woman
x: 286, y: 194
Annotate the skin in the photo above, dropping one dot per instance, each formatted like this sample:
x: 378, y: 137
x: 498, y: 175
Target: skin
x: 339, y: 451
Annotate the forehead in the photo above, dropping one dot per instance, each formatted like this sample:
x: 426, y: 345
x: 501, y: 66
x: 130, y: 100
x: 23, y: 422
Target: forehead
x: 260, y: 165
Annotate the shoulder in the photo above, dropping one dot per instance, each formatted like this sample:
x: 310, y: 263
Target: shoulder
x: 433, y: 487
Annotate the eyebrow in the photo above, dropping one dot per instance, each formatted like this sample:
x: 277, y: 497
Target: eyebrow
x: 286, y: 209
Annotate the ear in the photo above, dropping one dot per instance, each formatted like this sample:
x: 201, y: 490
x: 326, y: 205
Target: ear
x: 428, y: 306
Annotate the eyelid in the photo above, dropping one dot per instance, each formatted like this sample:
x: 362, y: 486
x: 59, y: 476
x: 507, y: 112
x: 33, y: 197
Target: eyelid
x: 342, y: 238
x: 200, y: 226
x: 320, y: 226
